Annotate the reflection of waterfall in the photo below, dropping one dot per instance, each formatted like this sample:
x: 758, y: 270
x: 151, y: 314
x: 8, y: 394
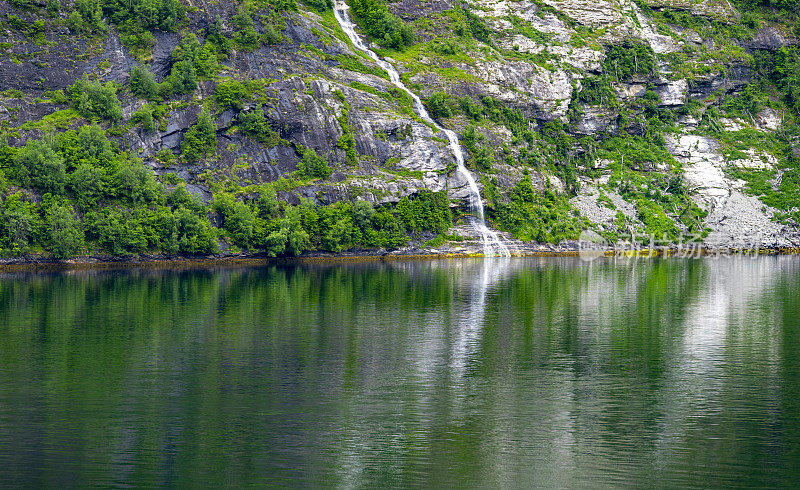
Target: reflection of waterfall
x: 492, y: 245
x: 479, y: 279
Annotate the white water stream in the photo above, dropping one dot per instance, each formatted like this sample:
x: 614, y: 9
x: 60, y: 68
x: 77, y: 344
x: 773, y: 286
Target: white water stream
x: 492, y: 245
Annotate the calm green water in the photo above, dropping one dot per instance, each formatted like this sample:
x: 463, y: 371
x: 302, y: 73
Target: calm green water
x: 503, y: 372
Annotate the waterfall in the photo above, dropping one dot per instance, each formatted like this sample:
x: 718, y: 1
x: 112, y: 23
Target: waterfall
x: 492, y: 245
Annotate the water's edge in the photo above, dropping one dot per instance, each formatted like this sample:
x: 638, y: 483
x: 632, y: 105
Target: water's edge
x: 103, y: 262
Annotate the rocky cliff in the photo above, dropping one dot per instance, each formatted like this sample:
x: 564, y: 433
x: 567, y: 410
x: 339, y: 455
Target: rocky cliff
x: 671, y: 119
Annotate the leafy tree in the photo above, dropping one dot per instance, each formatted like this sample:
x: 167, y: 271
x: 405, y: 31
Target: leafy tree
x: 231, y: 94
x: 629, y: 59
x: 312, y: 165
x: 148, y: 14
x: 94, y: 100
x: 217, y: 38
x: 201, y: 139
x: 133, y: 182
x: 62, y: 228
x: 254, y: 124
x: 182, y: 79
x: 91, y: 15
x: 246, y: 36
x: 19, y: 223
x: 197, y: 236
x: 237, y: 219
x: 143, y: 83
x: 39, y: 166
x: 144, y: 117
x: 88, y: 184
x: 382, y: 25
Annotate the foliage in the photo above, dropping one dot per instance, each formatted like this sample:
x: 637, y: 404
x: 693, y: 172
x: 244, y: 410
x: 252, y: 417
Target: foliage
x: 62, y: 230
x: 144, y: 117
x: 629, y: 59
x: 143, y: 83
x: 201, y: 139
x: 597, y: 90
x: 380, y: 24
x: 149, y: 14
x: 312, y: 165
x: 441, y: 105
x: 255, y: 124
x: 230, y: 94
x: 38, y: 165
x: 545, y: 217
x: 94, y: 100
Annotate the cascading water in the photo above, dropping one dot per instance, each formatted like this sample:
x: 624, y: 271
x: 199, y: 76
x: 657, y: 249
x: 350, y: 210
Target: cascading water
x: 492, y: 245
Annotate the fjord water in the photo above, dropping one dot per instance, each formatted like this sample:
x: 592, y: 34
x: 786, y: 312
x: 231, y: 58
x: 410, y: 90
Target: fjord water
x: 512, y: 372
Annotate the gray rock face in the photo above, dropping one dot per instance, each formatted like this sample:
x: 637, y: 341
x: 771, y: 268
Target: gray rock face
x: 539, y: 58
x: 770, y: 38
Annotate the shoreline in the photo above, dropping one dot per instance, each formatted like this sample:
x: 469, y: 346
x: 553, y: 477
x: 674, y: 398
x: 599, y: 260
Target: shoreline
x: 101, y: 262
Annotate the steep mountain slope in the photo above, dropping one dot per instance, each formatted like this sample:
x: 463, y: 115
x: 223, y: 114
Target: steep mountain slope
x: 161, y: 126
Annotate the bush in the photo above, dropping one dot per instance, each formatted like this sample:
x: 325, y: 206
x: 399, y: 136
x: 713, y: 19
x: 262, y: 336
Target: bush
x: 88, y: 184
x: 623, y: 62
x: 290, y: 238
x: 143, y: 83
x: 91, y: 15
x: 246, y: 36
x: 238, y: 219
x: 441, y: 105
x: 63, y: 230
x: 217, y: 38
x: 144, y: 117
x: 19, y: 223
x: 231, y: 94
x: 182, y: 79
x: 133, y: 182
x: 38, y: 165
x: 387, y: 30
x: 254, y: 124
x: 94, y: 100
x: 196, y: 235
x: 149, y: 14
x: 319, y: 5
x: 201, y: 139
x: 312, y: 165
x: 426, y: 211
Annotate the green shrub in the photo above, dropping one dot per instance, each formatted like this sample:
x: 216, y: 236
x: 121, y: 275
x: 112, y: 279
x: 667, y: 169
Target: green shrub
x: 629, y: 59
x: 386, y: 29
x: 94, y: 100
x: 231, y: 94
x: 38, y: 165
x: 182, y: 79
x: 19, y: 224
x: 149, y: 14
x: 63, y: 230
x: 143, y: 83
x: 312, y: 165
x: 201, y: 139
x: 319, y: 5
x: 254, y: 124
x: 441, y: 105
x: 144, y: 118
x: 246, y: 36
x: 289, y: 238
x: 238, y: 219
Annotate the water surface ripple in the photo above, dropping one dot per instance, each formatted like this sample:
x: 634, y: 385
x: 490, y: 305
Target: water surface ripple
x: 494, y: 372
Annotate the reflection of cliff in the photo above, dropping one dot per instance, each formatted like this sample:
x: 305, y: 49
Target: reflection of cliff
x: 520, y: 372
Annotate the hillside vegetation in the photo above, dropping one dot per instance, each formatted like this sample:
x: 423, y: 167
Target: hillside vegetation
x: 180, y: 127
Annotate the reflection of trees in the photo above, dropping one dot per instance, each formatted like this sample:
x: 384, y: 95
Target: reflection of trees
x: 541, y: 371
